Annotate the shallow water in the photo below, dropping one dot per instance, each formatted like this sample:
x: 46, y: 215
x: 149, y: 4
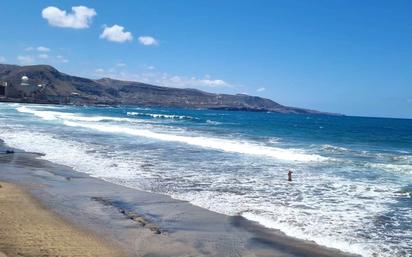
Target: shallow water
x: 352, y: 187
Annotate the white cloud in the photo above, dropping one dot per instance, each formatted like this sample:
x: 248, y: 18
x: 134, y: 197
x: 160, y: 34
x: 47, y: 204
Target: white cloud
x: 188, y: 82
x: 164, y: 79
x: 62, y: 59
x: 80, y: 18
x: 2, y: 59
x: 43, y: 49
x: 151, y: 75
x: 43, y: 56
x: 185, y: 81
x: 120, y: 64
x: 116, y: 33
x: 148, y: 41
x: 25, y: 59
x: 39, y: 49
x: 214, y: 82
x: 261, y: 89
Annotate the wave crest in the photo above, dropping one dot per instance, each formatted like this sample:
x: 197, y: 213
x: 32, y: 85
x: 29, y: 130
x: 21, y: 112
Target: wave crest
x: 160, y: 116
x: 207, y: 142
x: 51, y: 115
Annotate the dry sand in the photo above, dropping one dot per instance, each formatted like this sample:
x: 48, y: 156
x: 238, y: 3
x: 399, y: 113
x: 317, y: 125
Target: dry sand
x: 27, y: 229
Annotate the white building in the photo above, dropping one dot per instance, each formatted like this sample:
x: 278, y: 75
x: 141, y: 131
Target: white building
x: 24, y: 80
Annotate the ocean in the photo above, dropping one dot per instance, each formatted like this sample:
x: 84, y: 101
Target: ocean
x: 352, y: 176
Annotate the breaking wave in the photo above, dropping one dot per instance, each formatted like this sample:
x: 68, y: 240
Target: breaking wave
x: 207, y: 142
x: 51, y: 115
x: 160, y: 116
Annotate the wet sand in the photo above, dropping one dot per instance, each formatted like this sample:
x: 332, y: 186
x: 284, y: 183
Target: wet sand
x: 142, y: 223
x: 27, y: 229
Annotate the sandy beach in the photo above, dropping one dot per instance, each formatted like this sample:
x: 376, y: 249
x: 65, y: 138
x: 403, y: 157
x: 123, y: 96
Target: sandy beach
x: 72, y: 214
x: 27, y: 229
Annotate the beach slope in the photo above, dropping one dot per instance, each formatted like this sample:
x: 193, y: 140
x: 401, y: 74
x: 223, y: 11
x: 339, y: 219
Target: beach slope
x: 27, y: 229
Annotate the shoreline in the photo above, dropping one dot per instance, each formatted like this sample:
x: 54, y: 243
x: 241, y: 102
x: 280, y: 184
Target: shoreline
x: 144, y: 223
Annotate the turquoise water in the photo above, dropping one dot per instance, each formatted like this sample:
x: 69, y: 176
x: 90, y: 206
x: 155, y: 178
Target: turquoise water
x: 352, y: 186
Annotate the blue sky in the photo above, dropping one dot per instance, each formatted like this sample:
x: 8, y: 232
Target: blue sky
x: 352, y: 57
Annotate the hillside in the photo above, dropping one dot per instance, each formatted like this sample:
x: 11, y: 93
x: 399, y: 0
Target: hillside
x: 45, y: 84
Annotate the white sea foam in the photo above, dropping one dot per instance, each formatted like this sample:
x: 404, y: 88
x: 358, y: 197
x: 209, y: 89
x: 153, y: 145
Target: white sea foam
x: 160, y: 116
x: 234, y: 146
x: 207, y: 142
x: 10, y: 104
x: 389, y: 167
x: 404, y: 159
x: 332, y: 208
x: 212, y: 122
x: 52, y: 115
x: 346, y: 246
x: 330, y: 218
x: 44, y: 106
x: 333, y: 148
x: 86, y: 158
x: 274, y: 140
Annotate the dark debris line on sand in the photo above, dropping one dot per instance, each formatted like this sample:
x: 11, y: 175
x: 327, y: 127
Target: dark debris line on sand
x: 129, y: 214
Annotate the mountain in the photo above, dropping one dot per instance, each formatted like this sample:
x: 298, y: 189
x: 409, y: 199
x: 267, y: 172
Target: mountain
x: 45, y: 84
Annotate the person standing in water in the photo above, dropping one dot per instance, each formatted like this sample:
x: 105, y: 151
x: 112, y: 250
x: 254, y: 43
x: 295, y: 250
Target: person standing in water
x: 290, y: 175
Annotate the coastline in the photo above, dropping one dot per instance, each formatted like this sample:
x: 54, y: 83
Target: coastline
x: 142, y: 223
